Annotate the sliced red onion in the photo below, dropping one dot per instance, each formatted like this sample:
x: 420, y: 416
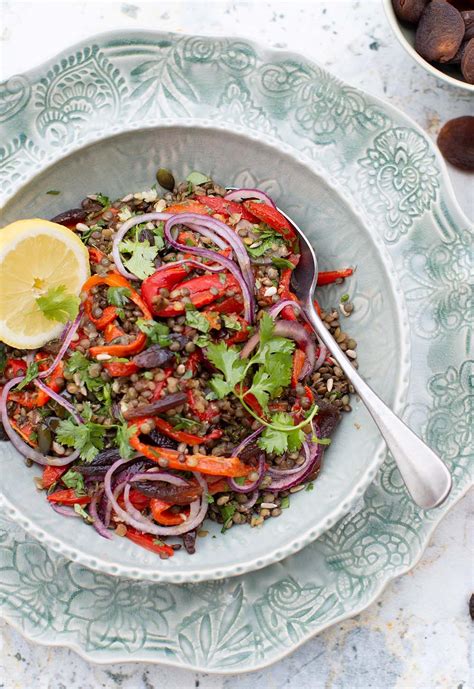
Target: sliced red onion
x: 322, y: 354
x: 313, y: 454
x: 197, y: 511
x: 277, y: 308
x: 293, y: 331
x: 127, y: 225
x: 249, y: 487
x: 249, y: 303
x: 98, y: 524
x: 59, y: 399
x: 67, y: 336
x: 222, y: 230
x: 247, y: 194
x: 246, y: 441
x: 19, y: 443
x: 65, y: 511
x: 158, y: 475
x: 282, y: 473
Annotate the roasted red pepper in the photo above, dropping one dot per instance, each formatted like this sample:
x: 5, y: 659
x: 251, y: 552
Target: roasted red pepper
x: 69, y: 497
x: 149, y: 542
x: 299, y: 358
x: 219, y: 486
x: 184, y: 437
x: 273, y: 218
x: 51, y: 475
x: 15, y: 367
x: 31, y: 400
x: 240, y: 335
x: 229, y: 305
x: 26, y: 431
x: 204, y: 290
x: 112, y: 332
x: 162, y: 279
x: 159, y: 512
x: 117, y: 369
x: 116, y: 280
x: 217, y: 204
x: 211, y: 411
x: 138, y: 500
x: 193, y: 361
x: 162, y: 383
x: 95, y: 254
x: 205, y: 464
x: 330, y: 276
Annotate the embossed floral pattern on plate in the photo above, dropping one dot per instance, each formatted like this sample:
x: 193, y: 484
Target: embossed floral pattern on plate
x: 396, y: 179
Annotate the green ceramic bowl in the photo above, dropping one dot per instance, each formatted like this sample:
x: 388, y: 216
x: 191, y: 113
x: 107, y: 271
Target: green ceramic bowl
x: 128, y: 162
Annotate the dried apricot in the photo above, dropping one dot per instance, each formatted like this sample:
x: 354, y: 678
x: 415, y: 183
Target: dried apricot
x: 440, y: 32
x: 467, y: 62
x: 456, y: 142
x: 409, y: 10
x: 468, y: 19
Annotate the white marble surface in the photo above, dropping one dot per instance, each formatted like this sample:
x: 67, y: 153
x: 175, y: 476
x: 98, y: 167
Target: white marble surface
x: 417, y: 636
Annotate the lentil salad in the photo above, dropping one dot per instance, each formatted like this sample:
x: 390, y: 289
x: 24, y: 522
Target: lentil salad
x: 188, y: 385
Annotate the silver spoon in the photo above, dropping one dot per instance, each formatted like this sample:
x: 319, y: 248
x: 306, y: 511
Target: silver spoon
x: 426, y: 476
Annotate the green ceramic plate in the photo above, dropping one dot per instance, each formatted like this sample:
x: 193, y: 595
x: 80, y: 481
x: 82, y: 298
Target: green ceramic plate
x: 334, y: 137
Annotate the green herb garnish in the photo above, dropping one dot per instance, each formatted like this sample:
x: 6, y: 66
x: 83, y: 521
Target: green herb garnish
x: 59, y: 305
x: 344, y: 298
x: 122, y: 438
x: 73, y: 479
x: 86, y: 437
x: 118, y: 296
x: 157, y: 333
x: 282, y: 262
x: 53, y: 192
x: 197, y: 320
x: 141, y: 257
x: 103, y: 200
x: 231, y: 322
x: 197, y: 178
x: 31, y: 373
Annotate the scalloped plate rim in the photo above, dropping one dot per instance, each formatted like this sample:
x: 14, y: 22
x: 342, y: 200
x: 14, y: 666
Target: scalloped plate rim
x: 277, y: 553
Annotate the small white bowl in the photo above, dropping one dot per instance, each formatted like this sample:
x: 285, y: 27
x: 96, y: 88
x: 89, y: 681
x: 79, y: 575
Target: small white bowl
x: 406, y: 37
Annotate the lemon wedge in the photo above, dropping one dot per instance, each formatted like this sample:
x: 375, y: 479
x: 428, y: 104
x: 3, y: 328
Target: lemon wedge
x: 36, y: 257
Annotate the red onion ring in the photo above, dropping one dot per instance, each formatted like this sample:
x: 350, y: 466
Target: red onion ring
x: 198, y: 509
x: 249, y: 487
x: 276, y: 309
x: 127, y: 225
x: 223, y: 231
x: 313, y: 454
x: 244, y: 194
x: 157, y: 475
x: 323, y: 352
x: 246, y: 441
x: 19, y: 443
x: 249, y: 303
x: 293, y: 331
x: 64, y: 511
x: 98, y: 524
x: 68, y: 333
x: 247, y: 506
x: 60, y: 400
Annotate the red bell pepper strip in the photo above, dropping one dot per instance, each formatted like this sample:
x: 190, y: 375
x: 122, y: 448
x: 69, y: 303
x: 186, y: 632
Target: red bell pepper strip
x: 217, y: 204
x: 161, y: 383
x: 51, y: 475
x: 330, y: 276
x: 317, y: 307
x: 205, y: 464
x: 116, y: 280
x: 112, y: 332
x: 32, y: 400
x: 234, y: 305
x: 189, y: 206
x: 184, y: 437
x: 148, y: 541
x: 250, y: 400
x: 273, y: 218
x: 200, y: 292
x: 25, y: 431
x: 15, y: 367
x: 159, y: 512
x: 299, y: 358
x: 109, y: 314
x: 207, y: 414
x: 162, y: 279
x: 69, y: 497
x: 219, y: 486
x: 138, y: 500
x: 95, y: 254
x: 241, y: 335
x: 117, y: 369
x: 193, y: 361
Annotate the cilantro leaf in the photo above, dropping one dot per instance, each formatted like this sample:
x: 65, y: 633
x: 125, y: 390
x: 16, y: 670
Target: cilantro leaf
x: 197, y: 320
x: 53, y: 192
x: 266, y: 328
x: 157, y: 333
x: 227, y: 360
x: 220, y: 387
x: 124, y: 433
x: 231, y: 322
x: 78, y: 363
x: 73, y: 479
x: 197, y: 178
x: 202, y: 341
x: 141, y: 258
x: 282, y: 262
x: 118, y: 296
x: 31, y: 373
x: 227, y: 512
x: 103, y: 200
x: 261, y: 387
x: 273, y: 440
x: 88, y: 437
x: 58, y: 305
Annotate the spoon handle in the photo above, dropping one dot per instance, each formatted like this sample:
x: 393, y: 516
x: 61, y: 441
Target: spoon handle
x: 426, y: 476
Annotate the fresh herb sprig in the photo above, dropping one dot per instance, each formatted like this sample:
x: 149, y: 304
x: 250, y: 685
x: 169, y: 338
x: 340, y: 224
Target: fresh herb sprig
x: 268, y: 371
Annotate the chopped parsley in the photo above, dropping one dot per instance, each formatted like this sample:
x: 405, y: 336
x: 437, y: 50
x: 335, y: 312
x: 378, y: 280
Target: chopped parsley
x: 282, y: 262
x: 59, y: 305
x: 86, y: 437
x: 118, y: 296
x: 141, y: 257
x: 157, y: 333
x: 73, y: 479
x: 197, y: 320
x: 231, y: 322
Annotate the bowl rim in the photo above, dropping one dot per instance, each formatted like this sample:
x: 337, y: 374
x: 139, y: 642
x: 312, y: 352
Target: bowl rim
x: 292, y: 545
x: 427, y: 66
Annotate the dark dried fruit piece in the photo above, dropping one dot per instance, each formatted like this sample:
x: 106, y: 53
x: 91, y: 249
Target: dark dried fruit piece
x: 440, y: 32
x: 467, y: 62
x: 468, y: 19
x: 409, y: 10
x: 71, y: 217
x: 456, y: 142
x: 471, y: 606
